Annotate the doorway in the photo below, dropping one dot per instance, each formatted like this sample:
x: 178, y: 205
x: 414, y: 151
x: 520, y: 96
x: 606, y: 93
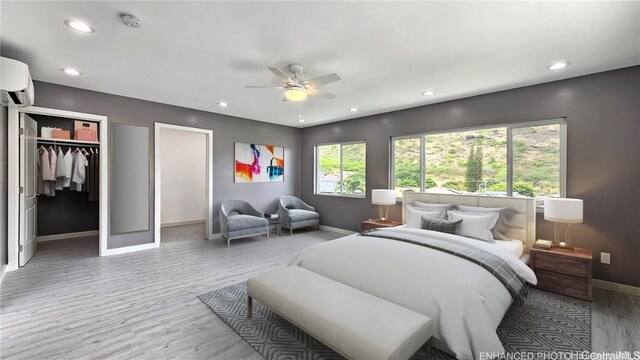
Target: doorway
x: 183, y: 192
x: 23, y: 139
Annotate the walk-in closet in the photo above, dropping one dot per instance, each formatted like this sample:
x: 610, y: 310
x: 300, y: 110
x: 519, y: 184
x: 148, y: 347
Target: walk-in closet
x: 67, y: 175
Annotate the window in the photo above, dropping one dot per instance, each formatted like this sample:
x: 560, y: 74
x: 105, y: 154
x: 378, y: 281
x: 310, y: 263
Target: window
x: 341, y: 169
x: 513, y: 160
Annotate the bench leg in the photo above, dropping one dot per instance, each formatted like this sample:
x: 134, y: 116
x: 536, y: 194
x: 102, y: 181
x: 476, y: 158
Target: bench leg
x: 249, y: 307
x: 428, y: 348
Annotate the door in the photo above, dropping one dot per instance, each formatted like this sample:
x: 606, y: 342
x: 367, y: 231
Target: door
x: 28, y: 189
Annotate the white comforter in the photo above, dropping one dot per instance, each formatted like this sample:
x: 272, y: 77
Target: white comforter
x: 464, y: 300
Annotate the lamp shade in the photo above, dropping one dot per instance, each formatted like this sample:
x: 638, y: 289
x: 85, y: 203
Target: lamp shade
x: 383, y: 197
x: 563, y: 210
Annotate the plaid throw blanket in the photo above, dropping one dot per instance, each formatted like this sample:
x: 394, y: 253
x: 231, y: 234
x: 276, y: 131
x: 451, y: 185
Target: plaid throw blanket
x: 492, y: 263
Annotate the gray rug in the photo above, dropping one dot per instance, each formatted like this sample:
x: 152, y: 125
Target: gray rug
x: 545, y: 323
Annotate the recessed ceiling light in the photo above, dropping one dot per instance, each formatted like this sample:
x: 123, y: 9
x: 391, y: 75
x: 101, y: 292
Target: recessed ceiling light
x: 559, y: 65
x: 428, y: 93
x: 70, y: 71
x: 353, y: 109
x: 79, y: 25
x: 223, y: 104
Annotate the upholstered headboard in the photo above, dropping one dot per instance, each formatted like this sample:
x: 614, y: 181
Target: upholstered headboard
x: 523, y: 223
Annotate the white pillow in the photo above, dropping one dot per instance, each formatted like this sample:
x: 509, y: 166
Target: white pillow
x: 432, y: 206
x: 477, y: 226
x: 415, y: 215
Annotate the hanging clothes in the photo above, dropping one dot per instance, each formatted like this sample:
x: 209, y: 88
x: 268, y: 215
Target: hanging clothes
x: 93, y: 176
x: 53, y: 161
x: 61, y: 170
x: 44, y: 171
x: 78, y: 174
x: 68, y: 167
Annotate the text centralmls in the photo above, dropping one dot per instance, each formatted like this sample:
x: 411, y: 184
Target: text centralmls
x: 562, y: 355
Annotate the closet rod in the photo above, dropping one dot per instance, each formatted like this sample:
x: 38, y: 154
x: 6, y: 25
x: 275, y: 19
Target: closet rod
x: 64, y: 143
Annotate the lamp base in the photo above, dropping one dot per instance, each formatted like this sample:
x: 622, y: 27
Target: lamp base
x: 383, y: 220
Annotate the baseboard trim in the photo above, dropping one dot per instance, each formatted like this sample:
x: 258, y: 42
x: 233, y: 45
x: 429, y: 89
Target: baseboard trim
x: 181, y: 223
x: 336, y: 230
x: 128, y: 249
x: 67, y: 235
x: 621, y: 288
x: 3, y: 272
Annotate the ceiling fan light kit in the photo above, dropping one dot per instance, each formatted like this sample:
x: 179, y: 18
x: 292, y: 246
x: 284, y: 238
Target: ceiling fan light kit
x: 297, y: 89
x: 296, y: 94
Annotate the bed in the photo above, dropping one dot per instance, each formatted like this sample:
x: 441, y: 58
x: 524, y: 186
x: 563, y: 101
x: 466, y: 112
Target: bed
x: 465, y: 301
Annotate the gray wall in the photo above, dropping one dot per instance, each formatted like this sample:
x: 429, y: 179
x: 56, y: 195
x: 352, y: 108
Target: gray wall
x: 226, y: 131
x: 3, y: 186
x: 603, y: 125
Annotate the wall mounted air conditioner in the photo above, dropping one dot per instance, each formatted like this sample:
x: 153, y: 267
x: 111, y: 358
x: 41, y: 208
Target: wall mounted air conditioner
x: 16, y: 86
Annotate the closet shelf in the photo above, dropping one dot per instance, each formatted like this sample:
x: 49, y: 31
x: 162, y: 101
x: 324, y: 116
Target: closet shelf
x: 65, y: 141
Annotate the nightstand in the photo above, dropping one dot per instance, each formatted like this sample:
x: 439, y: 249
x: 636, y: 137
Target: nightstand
x: 375, y: 223
x: 564, y: 272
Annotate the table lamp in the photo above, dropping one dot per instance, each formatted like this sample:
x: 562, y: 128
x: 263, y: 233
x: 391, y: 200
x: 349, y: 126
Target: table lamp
x: 565, y: 211
x: 383, y: 197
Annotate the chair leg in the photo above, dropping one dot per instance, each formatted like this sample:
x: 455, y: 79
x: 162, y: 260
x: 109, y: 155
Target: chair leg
x: 249, y: 307
x: 268, y: 235
x: 291, y: 231
x: 228, y: 242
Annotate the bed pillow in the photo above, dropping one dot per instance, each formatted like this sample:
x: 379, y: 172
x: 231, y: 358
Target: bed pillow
x: 415, y: 215
x: 431, y: 206
x: 476, y: 226
x: 441, y: 225
x: 503, y: 224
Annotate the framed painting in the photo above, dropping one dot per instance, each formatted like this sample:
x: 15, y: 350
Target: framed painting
x: 259, y: 163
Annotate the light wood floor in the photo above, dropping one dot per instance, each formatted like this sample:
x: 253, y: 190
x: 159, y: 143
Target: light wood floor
x: 68, y: 303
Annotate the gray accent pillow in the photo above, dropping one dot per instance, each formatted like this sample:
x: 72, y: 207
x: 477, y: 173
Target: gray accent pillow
x: 441, y: 225
x: 504, y: 219
x: 431, y: 206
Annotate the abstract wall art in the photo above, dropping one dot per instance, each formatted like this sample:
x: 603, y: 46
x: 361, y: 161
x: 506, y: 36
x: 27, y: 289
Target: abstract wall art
x: 259, y: 163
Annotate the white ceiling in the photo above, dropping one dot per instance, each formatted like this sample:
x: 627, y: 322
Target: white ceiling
x: 195, y: 54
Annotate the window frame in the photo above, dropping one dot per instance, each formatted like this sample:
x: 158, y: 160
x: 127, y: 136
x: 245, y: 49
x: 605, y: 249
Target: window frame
x: 315, y: 169
x: 509, y: 130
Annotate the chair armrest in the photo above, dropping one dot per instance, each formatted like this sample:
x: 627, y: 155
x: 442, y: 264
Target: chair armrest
x: 255, y: 212
x: 306, y: 206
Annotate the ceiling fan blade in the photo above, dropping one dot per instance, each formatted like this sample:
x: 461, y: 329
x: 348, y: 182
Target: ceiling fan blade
x: 284, y: 99
x: 282, y: 76
x: 320, y: 93
x: 321, y: 80
x: 264, y: 87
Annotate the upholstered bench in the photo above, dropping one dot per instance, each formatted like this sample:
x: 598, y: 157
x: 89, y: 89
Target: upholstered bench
x: 355, y: 324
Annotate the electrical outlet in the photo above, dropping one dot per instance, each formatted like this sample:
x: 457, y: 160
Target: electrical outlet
x: 605, y: 258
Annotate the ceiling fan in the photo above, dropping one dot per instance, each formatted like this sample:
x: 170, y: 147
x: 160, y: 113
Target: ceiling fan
x: 297, y: 89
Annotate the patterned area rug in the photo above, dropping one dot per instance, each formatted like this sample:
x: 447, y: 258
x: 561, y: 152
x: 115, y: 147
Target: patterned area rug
x: 545, y: 323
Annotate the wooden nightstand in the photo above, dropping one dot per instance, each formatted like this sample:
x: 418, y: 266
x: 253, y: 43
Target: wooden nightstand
x: 564, y: 272
x: 375, y: 223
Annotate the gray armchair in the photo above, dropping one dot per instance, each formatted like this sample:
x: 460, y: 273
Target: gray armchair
x: 295, y: 213
x: 240, y: 219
